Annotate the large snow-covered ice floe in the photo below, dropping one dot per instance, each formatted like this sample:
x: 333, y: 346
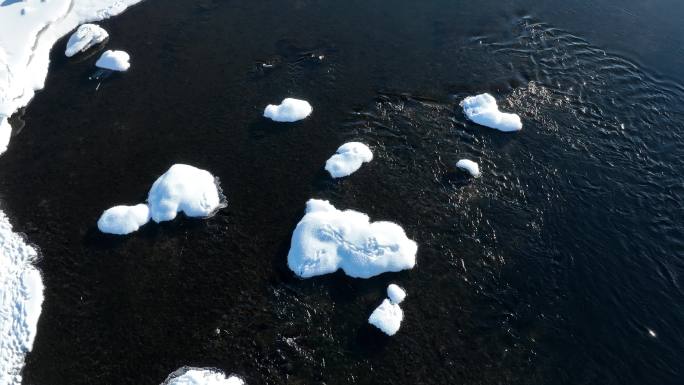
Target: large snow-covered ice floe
x: 86, y: 36
x: 349, y: 158
x: 289, y: 110
x: 201, y: 376
x: 327, y: 239
x: 468, y: 165
x: 114, y: 61
x: 27, y: 37
x: 184, y: 188
x: 21, y: 300
x: 388, y: 316
x: 482, y: 109
x: 123, y: 219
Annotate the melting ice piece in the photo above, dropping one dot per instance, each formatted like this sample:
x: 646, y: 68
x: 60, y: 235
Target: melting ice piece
x: 86, y: 36
x: 123, y: 219
x: 470, y: 166
x: 387, y: 317
x: 114, y: 61
x: 349, y: 158
x: 395, y: 293
x: 201, y: 376
x: 289, y: 110
x: 5, y: 133
x: 327, y: 239
x: 184, y: 188
x: 482, y: 109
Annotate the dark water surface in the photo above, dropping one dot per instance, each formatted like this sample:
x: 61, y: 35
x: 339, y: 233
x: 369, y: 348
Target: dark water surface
x: 549, y: 269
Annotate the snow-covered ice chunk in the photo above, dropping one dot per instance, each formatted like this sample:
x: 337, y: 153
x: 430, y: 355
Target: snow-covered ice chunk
x: 387, y: 317
x: 395, y: 293
x: 482, y: 109
x: 21, y: 300
x: 289, y: 110
x: 349, y: 158
x: 5, y: 134
x: 114, y: 61
x: 86, y: 36
x: 327, y: 239
x: 201, y: 376
x: 470, y: 166
x: 184, y: 188
x: 123, y: 219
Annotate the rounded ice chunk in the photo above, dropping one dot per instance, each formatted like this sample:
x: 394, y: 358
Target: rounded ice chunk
x: 387, y: 317
x: 86, y: 36
x: 349, y: 158
x: 114, y: 61
x: 395, y: 293
x: 184, y: 188
x: 327, y: 239
x: 122, y: 220
x: 201, y: 376
x: 470, y: 166
x: 482, y: 109
x: 289, y: 110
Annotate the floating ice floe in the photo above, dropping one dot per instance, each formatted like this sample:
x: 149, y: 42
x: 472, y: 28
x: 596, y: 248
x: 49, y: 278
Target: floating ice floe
x: 388, y: 316
x: 327, y: 239
x: 114, y: 61
x: 470, y: 166
x: 86, y: 36
x: 289, y: 110
x: 122, y: 220
x: 482, y: 109
x: 349, y: 158
x: 201, y: 376
x: 5, y: 134
x: 21, y: 300
x: 28, y: 30
x: 184, y: 188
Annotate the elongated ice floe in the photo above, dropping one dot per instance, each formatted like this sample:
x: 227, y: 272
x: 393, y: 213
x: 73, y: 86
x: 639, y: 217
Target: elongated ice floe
x: 327, y: 239
x: 349, y: 158
x: 21, y: 299
x: 289, y: 110
x: 114, y: 61
x: 122, y: 220
x: 5, y: 134
x: 28, y: 30
x: 388, y: 316
x: 482, y: 109
x: 468, y: 165
x: 201, y: 376
x: 86, y: 36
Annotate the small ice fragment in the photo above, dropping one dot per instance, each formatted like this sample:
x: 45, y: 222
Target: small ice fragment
x: 114, y: 61
x: 289, y: 110
x: 184, y: 188
x: 470, y: 166
x: 482, y: 109
x: 122, y: 220
x: 387, y: 317
x: 395, y: 293
x: 652, y: 333
x: 86, y: 36
x: 349, y: 158
x: 201, y: 376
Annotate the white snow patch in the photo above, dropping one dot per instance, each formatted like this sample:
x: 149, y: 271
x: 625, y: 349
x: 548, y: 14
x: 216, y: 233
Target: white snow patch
x: 289, y: 110
x: 395, y: 293
x: 123, y: 219
x: 5, y: 134
x: 28, y: 30
x: 349, y: 158
x: 86, y: 36
x: 201, y: 376
x: 184, y: 188
x: 114, y: 60
x: 387, y: 317
x: 327, y: 239
x: 482, y: 109
x: 470, y: 166
x: 21, y: 300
